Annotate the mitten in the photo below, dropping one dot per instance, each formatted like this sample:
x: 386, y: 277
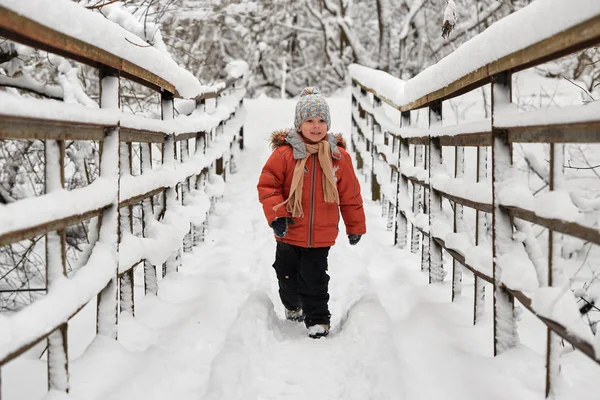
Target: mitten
x: 353, y: 238
x: 280, y: 226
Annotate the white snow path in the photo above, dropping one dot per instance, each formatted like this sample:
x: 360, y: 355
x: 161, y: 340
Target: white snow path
x: 217, y: 331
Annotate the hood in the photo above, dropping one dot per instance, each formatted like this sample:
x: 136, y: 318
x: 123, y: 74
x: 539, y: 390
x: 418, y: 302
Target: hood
x: 291, y: 137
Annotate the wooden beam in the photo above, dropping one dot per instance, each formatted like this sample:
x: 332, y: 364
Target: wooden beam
x: 21, y: 29
x: 129, y: 135
x: 41, y: 229
x: 478, y: 139
x: 15, y: 127
x: 460, y: 258
x: 485, y: 207
x: 583, y: 132
x: 570, y: 228
x: 580, y: 344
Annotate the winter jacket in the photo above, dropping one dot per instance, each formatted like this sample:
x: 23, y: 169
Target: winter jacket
x: 318, y: 227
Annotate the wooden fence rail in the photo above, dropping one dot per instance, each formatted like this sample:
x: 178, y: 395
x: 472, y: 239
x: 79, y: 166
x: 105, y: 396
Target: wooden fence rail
x: 404, y: 164
x: 194, y: 154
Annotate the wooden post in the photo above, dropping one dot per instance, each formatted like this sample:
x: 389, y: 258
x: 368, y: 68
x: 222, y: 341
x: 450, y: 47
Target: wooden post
x: 185, y: 194
x: 107, y: 315
x: 505, y: 324
x: 457, y: 267
x: 436, y: 267
x: 555, y: 278
x: 401, y: 230
x: 480, y: 231
x: 56, y: 270
x: 417, y: 202
x: 150, y: 278
x: 126, y: 225
x: 169, y: 156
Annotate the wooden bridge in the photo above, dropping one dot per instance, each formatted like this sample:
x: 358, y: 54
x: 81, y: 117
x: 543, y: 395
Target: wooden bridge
x: 403, y: 157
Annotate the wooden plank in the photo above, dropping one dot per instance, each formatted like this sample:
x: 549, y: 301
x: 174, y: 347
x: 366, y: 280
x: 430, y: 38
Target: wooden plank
x: 129, y: 135
x: 49, y: 330
x: 585, y: 132
x: 570, y: 228
x: 479, y: 139
x: 15, y: 127
x: 185, y: 136
x: 41, y: 229
x: 460, y: 258
x: 16, y: 27
x: 415, y: 140
x: 485, y: 207
x: 416, y: 181
x: 139, y: 198
x: 580, y: 344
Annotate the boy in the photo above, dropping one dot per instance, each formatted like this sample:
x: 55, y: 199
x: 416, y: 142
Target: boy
x: 308, y: 179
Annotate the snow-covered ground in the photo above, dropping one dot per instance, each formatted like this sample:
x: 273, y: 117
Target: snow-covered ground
x: 216, y: 330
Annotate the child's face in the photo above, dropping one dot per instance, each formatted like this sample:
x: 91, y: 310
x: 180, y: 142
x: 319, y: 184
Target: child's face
x: 314, y: 129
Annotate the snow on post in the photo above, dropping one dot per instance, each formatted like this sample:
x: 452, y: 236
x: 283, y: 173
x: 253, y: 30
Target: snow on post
x: 109, y: 226
x: 401, y: 229
x: 436, y: 267
x: 126, y: 227
x: 58, y: 365
x: 480, y: 237
x: 169, y: 157
x: 505, y: 323
x: 417, y: 201
x: 185, y: 193
x: 150, y: 278
x: 457, y: 267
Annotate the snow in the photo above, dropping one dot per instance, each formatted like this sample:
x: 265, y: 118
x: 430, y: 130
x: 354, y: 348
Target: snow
x: 216, y: 330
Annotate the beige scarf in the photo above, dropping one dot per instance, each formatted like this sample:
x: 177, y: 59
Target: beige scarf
x: 294, y: 203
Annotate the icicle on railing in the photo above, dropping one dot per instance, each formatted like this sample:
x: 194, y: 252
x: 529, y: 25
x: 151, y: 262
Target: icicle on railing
x: 58, y: 364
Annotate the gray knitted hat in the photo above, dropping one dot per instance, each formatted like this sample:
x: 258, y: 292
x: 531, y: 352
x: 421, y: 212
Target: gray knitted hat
x: 312, y: 104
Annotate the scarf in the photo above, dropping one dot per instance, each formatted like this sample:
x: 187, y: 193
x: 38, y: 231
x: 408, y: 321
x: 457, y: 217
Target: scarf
x: 294, y: 202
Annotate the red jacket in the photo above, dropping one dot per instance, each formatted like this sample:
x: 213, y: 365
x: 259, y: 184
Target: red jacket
x: 319, y: 225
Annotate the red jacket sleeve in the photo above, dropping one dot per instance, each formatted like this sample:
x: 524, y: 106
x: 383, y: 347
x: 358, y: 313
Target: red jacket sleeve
x: 351, y: 202
x: 270, y: 186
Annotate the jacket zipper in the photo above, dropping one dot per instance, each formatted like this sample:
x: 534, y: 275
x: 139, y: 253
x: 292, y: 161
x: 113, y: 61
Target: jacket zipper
x: 312, y: 201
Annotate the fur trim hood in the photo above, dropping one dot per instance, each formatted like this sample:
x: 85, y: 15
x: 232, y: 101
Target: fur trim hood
x: 291, y: 137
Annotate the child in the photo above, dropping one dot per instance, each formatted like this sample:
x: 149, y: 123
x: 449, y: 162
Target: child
x: 308, y: 179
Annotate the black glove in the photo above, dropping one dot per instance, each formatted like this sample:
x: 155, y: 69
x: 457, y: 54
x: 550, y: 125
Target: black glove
x: 353, y: 238
x: 280, y: 226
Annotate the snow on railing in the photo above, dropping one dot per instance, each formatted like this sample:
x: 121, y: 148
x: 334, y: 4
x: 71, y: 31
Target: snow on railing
x: 434, y: 198
x: 175, y: 195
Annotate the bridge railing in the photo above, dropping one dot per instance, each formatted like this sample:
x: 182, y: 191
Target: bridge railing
x: 402, y: 158
x: 173, y: 197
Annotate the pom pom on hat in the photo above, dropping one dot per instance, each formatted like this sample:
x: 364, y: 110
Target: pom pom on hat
x: 312, y: 104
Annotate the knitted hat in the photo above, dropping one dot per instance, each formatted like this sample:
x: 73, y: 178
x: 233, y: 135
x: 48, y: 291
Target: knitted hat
x: 311, y: 104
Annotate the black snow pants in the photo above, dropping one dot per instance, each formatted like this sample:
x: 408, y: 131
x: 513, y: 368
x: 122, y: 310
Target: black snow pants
x: 303, y: 280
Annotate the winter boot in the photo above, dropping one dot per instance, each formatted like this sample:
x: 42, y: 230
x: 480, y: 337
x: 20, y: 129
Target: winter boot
x: 295, y: 314
x: 318, y: 331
